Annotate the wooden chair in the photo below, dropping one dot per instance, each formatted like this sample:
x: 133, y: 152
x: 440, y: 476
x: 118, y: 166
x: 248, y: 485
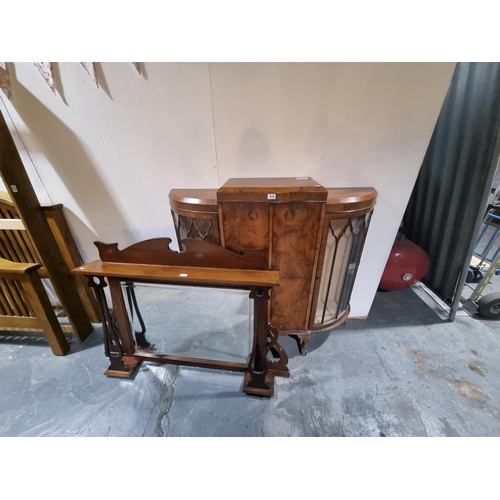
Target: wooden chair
x: 49, y: 242
x: 22, y: 272
x: 25, y: 305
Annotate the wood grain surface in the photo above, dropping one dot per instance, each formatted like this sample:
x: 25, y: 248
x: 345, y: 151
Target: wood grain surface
x: 245, y: 225
x: 295, y: 230
x: 186, y: 275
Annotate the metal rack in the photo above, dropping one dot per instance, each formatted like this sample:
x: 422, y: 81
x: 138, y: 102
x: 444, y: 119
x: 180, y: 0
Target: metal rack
x: 481, y: 270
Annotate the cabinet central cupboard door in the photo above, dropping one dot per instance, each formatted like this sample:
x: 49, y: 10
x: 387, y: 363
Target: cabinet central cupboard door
x: 294, y: 241
x: 246, y: 225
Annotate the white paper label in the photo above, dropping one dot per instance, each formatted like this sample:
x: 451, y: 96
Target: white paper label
x: 271, y: 196
x: 14, y: 188
x: 182, y: 275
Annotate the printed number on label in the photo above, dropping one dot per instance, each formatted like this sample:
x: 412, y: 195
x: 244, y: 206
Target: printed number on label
x: 271, y: 196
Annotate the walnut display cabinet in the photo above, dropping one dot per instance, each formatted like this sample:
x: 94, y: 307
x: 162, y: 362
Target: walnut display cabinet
x: 314, y: 236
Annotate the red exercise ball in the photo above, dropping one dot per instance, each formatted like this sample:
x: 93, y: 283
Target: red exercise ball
x: 406, y: 265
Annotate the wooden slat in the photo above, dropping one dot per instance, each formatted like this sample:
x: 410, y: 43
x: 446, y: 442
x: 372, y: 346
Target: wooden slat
x: 20, y: 257
x: 11, y: 251
x: 21, y: 299
x: 7, y: 289
x: 7, y: 249
x: 24, y: 237
x: 9, y: 214
x: 4, y: 254
x: 30, y: 247
x: 13, y: 298
x: 16, y: 323
x: 28, y: 207
x: 21, y: 237
x: 11, y: 224
x: 185, y: 275
x: 5, y: 308
x: 30, y: 310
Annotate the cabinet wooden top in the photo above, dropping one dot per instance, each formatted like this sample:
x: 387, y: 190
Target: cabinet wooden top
x: 350, y: 199
x: 337, y: 199
x: 198, y: 200
x: 272, y: 190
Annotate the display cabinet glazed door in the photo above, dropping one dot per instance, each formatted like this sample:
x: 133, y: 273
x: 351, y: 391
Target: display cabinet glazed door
x: 342, y: 245
x: 195, y: 214
x: 197, y: 226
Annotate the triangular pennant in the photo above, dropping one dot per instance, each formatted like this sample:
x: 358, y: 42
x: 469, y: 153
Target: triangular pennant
x: 137, y: 67
x: 5, y: 81
x: 89, y: 68
x: 45, y: 69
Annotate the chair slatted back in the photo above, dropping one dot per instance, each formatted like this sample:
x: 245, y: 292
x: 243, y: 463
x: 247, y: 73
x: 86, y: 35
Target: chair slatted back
x: 15, y: 244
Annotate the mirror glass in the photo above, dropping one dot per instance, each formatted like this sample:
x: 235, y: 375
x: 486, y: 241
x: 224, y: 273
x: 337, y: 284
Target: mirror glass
x: 206, y: 323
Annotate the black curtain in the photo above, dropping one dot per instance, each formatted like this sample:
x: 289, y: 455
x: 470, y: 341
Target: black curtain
x: 458, y: 169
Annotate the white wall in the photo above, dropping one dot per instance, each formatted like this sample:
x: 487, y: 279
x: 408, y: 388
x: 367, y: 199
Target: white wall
x: 111, y: 154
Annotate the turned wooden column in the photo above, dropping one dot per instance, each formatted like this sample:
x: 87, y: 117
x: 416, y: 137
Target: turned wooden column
x: 258, y: 380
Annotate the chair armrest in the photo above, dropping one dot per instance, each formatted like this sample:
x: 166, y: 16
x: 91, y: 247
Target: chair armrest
x: 9, y: 267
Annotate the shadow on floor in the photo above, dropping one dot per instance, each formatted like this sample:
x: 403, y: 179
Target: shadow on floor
x: 37, y: 339
x: 399, y: 309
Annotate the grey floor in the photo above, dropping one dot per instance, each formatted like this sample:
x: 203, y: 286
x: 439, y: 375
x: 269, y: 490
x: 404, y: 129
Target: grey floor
x: 402, y: 372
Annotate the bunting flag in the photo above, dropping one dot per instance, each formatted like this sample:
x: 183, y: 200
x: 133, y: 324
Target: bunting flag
x: 45, y: 69
x: 137, y: 67
x: 5, y: 81
x: 89, y: 68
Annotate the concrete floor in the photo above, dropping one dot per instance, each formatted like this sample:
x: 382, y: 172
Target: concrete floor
x: 402, y: 372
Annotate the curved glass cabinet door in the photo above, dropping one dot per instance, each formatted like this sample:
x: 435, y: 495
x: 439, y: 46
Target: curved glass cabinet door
x: 344, y: 243
x: 198, y: 226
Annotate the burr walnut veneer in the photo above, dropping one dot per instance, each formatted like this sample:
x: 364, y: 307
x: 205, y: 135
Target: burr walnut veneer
x: 314, y: 236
